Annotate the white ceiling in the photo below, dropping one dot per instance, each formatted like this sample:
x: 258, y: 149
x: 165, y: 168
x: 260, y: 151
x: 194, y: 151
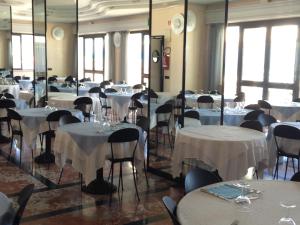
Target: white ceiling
x: 63, y: 10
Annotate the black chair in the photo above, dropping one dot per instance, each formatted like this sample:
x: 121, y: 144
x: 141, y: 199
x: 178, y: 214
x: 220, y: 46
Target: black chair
x: 63, y: 120
x: 110, y: 90
x: 189, y: 92
x: 69, y: 79
x: 52, y: 79
x: 84, y: 104
x: 24, y: 196
x: 166, y: 111
x: 133, y: 107
x: 16, y: 130
x: 171, y: 208
x: 296, y: 177
x: 123, y: 136
x: 104, y: 102
x: 105, y: 83
x: 214, y: 92
x: 252, y: 124
x: 266, y: 120
x: 8, y: 95
x: 138, y: 86
x: 179, y: 101
x: 286, y: 132
x: 253, y: 115
x: 53, y: 89
x: 252, y: 106
x: 42, y: 102
x: 192, y: 114
x: 41, y: 79
x: 17, y: 78
x: 143, y: 123
x: 265, y: 105
x: 198, y: 177
x: 206, y: 99
x: 153, y: 95
x: 4, y: 105
x: 67, y: 119
x: 95, y: 90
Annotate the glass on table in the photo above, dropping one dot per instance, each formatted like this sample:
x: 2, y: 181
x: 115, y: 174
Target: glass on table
x: 287, y: 219
x: 243, y: 200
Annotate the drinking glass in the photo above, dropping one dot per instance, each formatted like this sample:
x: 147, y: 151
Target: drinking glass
x: 287, y: 220
x: 243, y: 200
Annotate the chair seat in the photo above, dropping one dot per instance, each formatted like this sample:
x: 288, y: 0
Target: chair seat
x: 290, y: 155
x: 127, y: 159
x: 51, y: 133
x: 17, y: 132
x: 4, y: 140
x: 132, y: 108
x: 106, y: 106
x: 162, y: 124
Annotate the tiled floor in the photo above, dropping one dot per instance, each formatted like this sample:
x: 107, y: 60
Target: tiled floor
x: 67, y: 204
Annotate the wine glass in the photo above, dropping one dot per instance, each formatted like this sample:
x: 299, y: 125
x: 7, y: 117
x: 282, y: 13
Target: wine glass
x: 243, y: 200
x: 287, y: 220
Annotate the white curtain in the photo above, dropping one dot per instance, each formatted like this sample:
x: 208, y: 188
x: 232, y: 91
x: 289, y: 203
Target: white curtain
x: 124, y: 38
x: 216, y: 38
x: 110, y: 60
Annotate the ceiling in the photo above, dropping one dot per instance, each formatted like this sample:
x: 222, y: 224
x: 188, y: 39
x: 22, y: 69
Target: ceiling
x: 64, y: 11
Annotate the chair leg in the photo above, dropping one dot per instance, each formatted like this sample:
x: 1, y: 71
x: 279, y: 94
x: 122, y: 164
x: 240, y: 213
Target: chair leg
x: 11, y: 145
x: 112, y: 183
x: 276, y: 168
x: 286, y: 166
x: 156, y: 131
x: 145, y: 171
x: 134, y: 179
x: 170, y: 139
x: 60, y: 175
x: 293, y: 165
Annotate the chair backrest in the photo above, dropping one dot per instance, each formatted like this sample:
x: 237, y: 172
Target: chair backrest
x: 143, y: 123
x: 22, y: 201
x: 153, y: 94
x: 252, y: 106
x: 83, y: 101
x: 55, y: 116
x: 214, y: 92
x: 8, y: 95
x: 253, y: 115
x: 95, y: 90
x: 197, y: 178
x: 67, y: 119
x: 41, y: 78
x: 138, y: 104
x: 137, y: 86
x: 171, y: 207
x: 54, y: 89
x: 7, y: 103
x: 296, y: 177
x: 105, y: 83
x: 252, y: 124
x: 189, y: 92
x: 192, y: 114
x: 110, y: 90
x: 69, y: 79
x: 266, y: 120
x: 264, y: 104
x: 52, y: 79
x: 165, y: 108
x: 136, y: 96
x: 123, y: 136
x: 13, y: 115
x: 286, y: 131
x: 205, y: 99
x: 42, y: 101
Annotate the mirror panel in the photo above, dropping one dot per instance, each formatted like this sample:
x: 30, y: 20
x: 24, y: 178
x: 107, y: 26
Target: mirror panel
x: 5, y: 41
x: 40, y: 51
x: 166, y: 77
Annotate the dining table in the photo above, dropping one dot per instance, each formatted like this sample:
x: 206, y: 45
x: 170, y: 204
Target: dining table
x: 191, y: 99
x: 203, y: 207
x: 286, y: 111
x: 25, y: 85
x: 6, y: 209
x: 13, y: 89
x: 34, y: 122
x: 85, y: 144
x: 229, y: 149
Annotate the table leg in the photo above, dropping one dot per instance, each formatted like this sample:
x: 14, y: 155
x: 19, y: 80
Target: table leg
x: 47, y: 157
x: 99, y: 186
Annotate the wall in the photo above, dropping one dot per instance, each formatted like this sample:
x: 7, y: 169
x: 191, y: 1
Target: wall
x: 60, y: 53
x: 4, y: 43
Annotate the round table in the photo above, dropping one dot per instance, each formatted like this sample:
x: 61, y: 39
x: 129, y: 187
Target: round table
x: 86, y: 145
x: 231, y: 150
x: 198, y: 207
x: 13, y: 89
x: 120, y: 102
x: 25, y: 84
x: 286, y: 111
x: 6, y: 209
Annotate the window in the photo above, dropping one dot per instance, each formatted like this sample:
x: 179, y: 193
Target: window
x: 22, y: 50
x: 91, y: 55
x: 261, y: 60
x: 138, y: 58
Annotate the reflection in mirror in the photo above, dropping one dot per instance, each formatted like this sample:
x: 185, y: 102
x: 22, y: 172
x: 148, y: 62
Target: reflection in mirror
x: 39, y: 46
x: 262, y: 56
x: 204, y: 59
x: 155, y: 56
x: 166, y: 80
x: 5, y: 42
x: 62, y: 50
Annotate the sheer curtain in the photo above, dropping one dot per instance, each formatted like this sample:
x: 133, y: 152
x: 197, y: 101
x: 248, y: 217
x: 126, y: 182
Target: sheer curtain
x: 124, y: 38
x: 110, y: 60
x: 216, y: 37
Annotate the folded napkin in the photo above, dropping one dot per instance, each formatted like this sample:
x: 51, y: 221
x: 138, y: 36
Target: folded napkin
x: 226, y: 191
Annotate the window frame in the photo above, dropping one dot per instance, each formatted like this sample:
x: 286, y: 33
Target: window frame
x: 266, y: 84
x: 93, y: 71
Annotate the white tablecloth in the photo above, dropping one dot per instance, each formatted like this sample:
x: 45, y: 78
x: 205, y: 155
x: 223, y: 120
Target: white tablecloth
x: 198, y: 207
x: 287, y: 111
x: 232, y: 117
x: 122, y: 87
x: 191, y: 100
x: 86, y: 145
x: 232, y: 150
x: 12, y: 89
x: 119, y: 102
x: 6, y: 209
x: 90, y: 84
x: 34, y: 122
x: 26, y: 95
x: 25, y: 84
x: 66, y: 100
x: 290, y: 146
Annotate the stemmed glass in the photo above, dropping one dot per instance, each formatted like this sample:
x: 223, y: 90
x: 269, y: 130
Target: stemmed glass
x: 287, y: 220
x: 243, y: 199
